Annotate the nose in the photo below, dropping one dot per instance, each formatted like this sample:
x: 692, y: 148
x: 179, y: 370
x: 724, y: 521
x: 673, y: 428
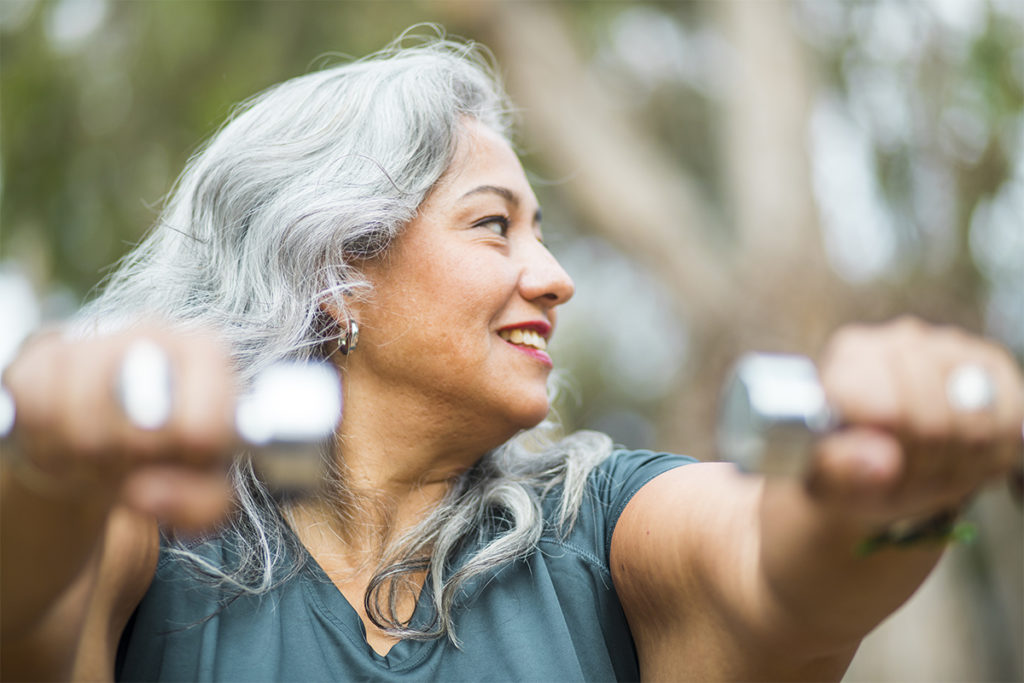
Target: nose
x: 543, y: 279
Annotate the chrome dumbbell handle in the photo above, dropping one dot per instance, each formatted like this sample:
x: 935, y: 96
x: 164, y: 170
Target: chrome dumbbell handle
x: 287, y: 420
x: 772, y: 408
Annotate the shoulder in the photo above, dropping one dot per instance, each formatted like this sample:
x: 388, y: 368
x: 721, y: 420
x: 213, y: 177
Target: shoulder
x: 617, y: 480
x: 678, y: 519
x: 603, y: 495
x: 625, y: 471
x: 685, y: 545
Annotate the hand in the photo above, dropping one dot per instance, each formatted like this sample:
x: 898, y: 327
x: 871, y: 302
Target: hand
x: 73, y: 439
x: 905, y: 450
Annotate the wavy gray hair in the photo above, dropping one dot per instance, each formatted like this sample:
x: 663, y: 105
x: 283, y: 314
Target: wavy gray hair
x: 264, y: 226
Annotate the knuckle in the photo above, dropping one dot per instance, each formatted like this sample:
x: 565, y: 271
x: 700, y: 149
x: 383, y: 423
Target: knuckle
x: 202, y: 442
x: 847, y: 338
x: 893, y: 415
x: 1010, y: 432
x: 909, y: 324
x: 199, y: 435
x: 929, y: 428
x: 911, y: 333
x: 951, y: 340
x: 140, y: 446
x: 89, y: 446
x: 977, y: 439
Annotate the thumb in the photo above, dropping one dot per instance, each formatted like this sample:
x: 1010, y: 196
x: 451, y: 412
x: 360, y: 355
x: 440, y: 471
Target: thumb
x: 856, y: 466
x: 189, y: 501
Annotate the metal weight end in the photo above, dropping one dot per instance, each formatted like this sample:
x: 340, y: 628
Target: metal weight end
x: 7, y: 413
x: 772, y: 409
x: 289, y: 419
x: 144, y: 385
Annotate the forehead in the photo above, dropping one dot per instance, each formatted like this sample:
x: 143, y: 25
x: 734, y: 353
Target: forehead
x: 483, y: 157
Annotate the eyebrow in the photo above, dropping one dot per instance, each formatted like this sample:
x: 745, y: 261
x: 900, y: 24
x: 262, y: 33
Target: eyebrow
x: 503, y: 192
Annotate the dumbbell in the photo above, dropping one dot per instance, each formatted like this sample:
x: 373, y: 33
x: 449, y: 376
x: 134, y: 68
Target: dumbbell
x: 773, y: 407
x: 285, y: 421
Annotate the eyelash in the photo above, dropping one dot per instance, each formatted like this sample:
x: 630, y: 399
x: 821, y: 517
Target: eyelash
x: 499, y: 220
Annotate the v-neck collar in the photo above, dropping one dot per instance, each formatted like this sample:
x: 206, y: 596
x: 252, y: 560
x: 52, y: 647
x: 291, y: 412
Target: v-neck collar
x: 403, y: 655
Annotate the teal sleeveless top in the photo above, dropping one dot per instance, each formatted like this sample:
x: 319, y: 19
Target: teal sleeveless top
x: 553, y: 616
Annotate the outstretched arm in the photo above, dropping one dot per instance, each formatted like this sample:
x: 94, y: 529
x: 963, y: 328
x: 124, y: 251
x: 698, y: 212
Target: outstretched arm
x: 725, y: 576
x: 73, y: 461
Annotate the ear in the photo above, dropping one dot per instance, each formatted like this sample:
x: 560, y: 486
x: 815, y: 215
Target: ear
x: 332, y: 310
x: 340, y: 327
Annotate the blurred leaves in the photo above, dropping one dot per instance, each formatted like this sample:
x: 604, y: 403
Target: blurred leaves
x: 769, y: 177
x: 97, y: 122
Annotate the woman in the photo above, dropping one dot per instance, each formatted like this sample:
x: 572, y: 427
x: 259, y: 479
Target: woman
x: 448, y: 543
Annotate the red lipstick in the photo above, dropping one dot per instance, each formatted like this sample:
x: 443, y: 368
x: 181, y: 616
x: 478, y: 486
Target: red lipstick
x: 540, y: 327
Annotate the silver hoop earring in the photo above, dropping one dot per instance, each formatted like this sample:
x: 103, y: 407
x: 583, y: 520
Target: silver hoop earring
x: 350, y: 340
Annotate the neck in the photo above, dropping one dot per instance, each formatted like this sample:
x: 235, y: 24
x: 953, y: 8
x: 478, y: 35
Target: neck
x: 397, y: 457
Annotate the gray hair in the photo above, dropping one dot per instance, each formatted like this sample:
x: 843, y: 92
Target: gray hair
x: 264, y: 226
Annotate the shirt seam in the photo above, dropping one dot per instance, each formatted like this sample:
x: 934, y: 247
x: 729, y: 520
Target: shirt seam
x: 584, y: 554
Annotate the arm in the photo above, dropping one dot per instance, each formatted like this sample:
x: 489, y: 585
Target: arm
x: 76, y: 637
x: 74, y: 473
x: 755, y: 579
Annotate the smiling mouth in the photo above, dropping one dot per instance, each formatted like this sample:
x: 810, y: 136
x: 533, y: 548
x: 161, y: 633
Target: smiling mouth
x: 521, y: 337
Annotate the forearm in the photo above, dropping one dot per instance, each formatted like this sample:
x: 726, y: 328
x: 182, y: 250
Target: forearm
x: 47, y: 542
x: 47, y: 650
x: 820, y: 585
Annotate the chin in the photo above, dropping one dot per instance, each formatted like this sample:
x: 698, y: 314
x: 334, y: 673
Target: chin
x: 533, y: 417
x: 518, y: 422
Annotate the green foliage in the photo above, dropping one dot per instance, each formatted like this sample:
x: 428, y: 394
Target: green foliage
x: 95, y: 129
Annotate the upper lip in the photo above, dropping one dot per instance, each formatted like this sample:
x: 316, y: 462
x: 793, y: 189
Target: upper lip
x: 541, y: 327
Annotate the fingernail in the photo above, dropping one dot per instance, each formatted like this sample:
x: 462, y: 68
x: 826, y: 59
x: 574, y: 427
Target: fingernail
x: 874, y: 464
x: 156, y: 495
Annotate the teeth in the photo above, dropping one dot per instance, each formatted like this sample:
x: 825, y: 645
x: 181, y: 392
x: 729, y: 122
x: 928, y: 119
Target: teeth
x: 525, y: 338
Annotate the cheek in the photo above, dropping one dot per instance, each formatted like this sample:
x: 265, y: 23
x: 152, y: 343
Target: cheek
x: 475, y: 296
x: 446, y: 305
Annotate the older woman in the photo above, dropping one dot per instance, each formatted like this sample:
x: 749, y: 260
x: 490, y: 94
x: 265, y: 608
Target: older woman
x: 448, y: 542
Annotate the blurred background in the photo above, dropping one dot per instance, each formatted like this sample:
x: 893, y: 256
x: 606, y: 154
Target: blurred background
x: 716, y: 176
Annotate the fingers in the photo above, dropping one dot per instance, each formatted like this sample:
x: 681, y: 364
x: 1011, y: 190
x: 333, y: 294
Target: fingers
x: 206, y: 414
x: 894, y: 380
x: 200, y: 429
x: 187, y: 500
x: 857, y: 466
x: 71, y: 426
x: 1008, y: 410
x: 32, y: 379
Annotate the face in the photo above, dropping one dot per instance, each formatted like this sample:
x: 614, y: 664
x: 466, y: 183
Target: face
x: 464, y: 301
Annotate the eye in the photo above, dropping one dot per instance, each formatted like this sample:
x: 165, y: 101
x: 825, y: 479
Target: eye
x: 496, y: 224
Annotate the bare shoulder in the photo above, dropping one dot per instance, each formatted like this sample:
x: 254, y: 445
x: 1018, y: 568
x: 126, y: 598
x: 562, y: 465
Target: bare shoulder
x: 685, y: 560
x: 684, y: 525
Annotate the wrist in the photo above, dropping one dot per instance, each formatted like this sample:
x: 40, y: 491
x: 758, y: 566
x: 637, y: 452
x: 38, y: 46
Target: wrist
x: 50, y: 482
x: 939, y: 528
